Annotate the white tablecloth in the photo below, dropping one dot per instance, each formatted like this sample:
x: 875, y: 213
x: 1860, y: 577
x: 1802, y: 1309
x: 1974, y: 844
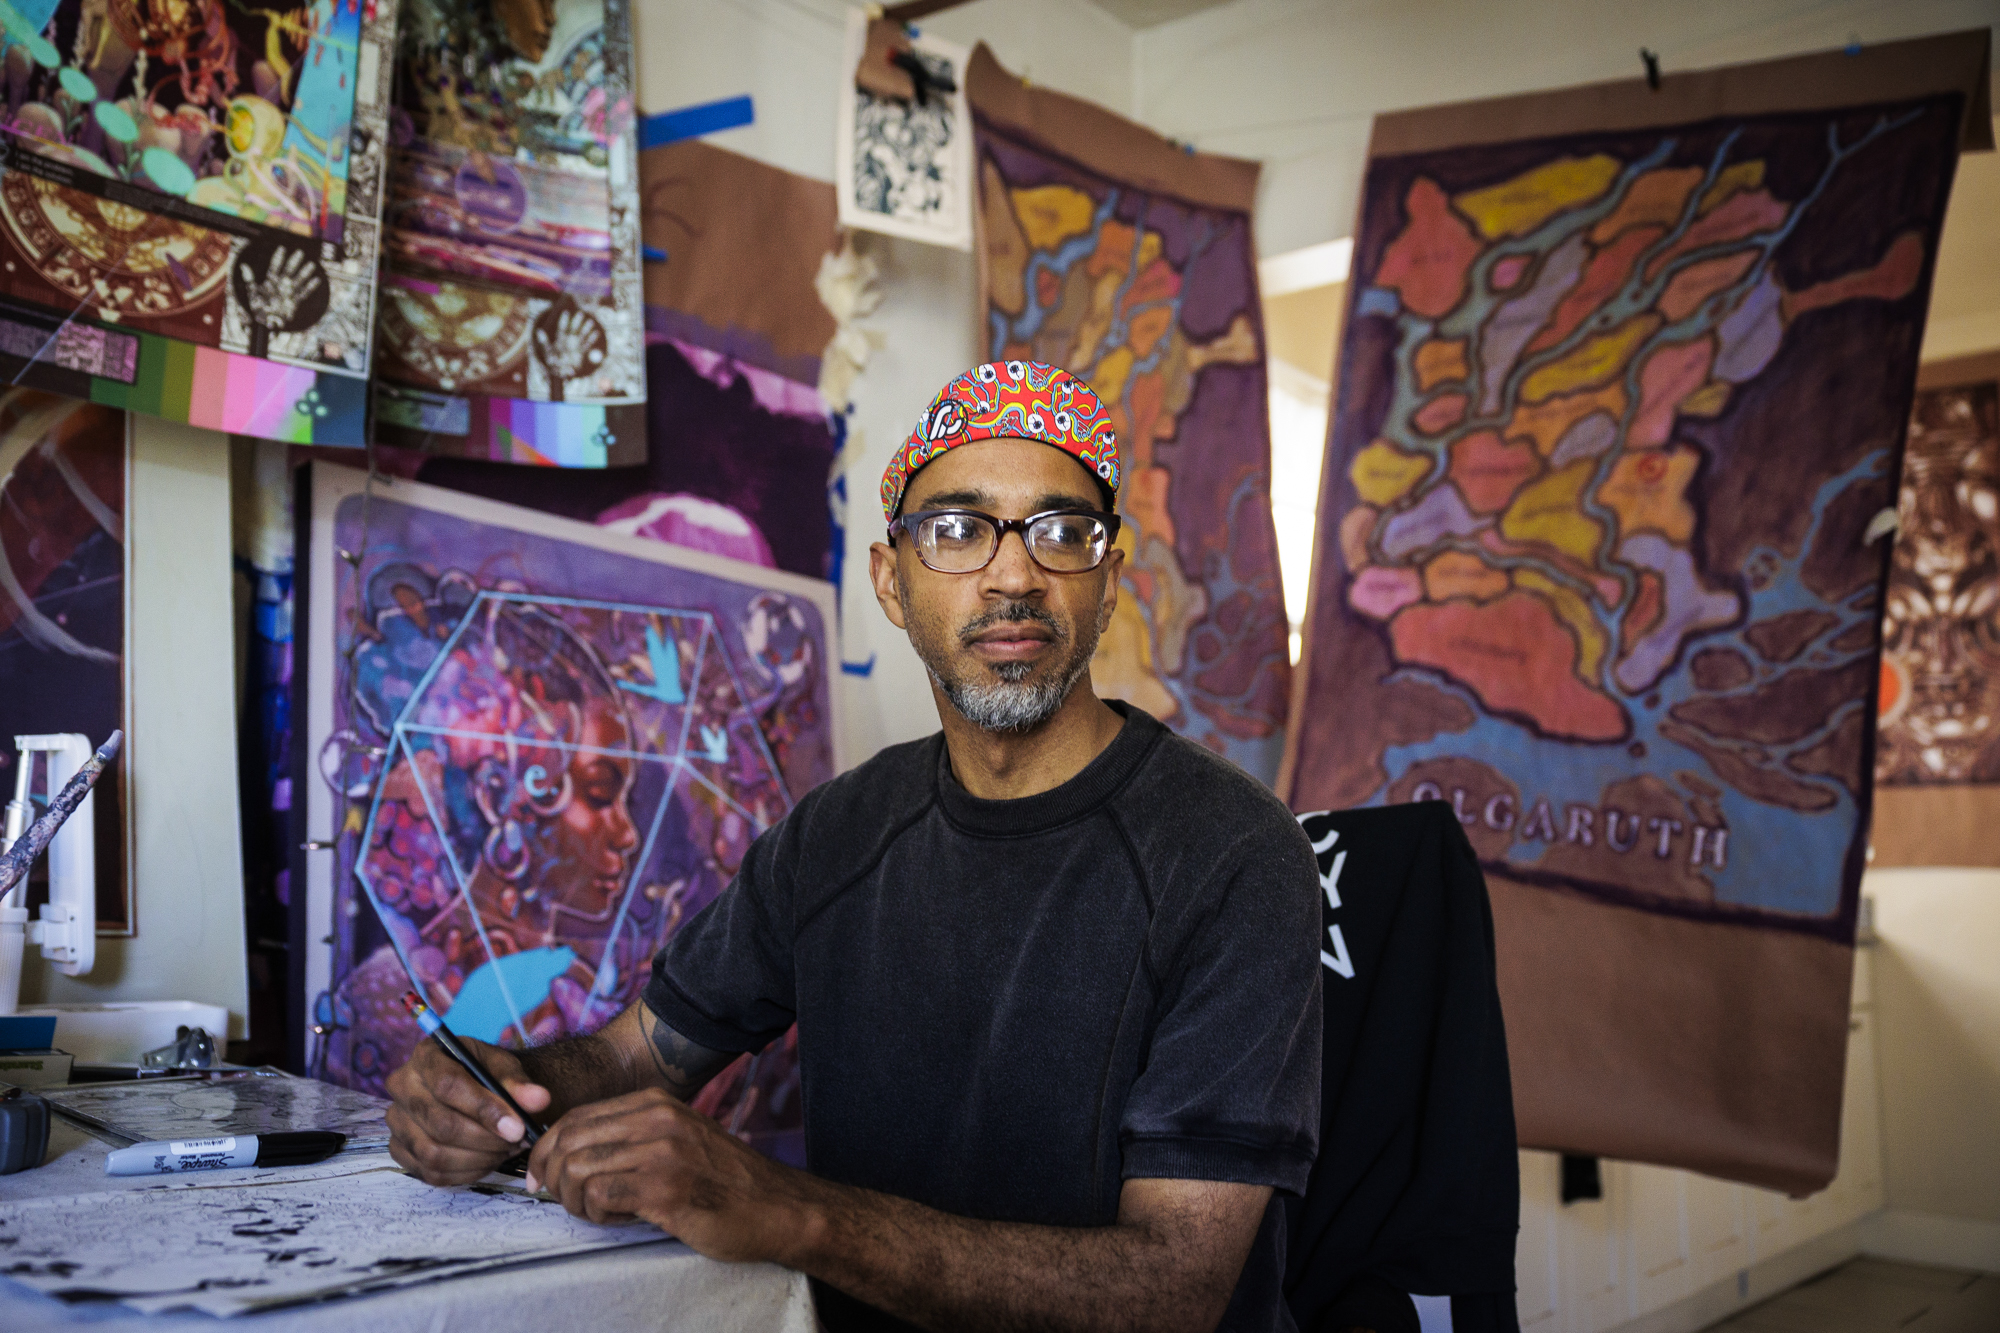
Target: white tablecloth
x: 653, y: 1287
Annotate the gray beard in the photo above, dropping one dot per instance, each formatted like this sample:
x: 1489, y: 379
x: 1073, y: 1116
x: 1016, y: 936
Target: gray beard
x: 1010, y: 705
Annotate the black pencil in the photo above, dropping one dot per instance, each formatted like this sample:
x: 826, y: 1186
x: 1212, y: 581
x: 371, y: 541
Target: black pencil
x: 434, y: 1026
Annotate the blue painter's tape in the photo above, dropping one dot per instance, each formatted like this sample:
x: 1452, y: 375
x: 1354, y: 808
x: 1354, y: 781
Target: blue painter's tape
x: 691, y: 122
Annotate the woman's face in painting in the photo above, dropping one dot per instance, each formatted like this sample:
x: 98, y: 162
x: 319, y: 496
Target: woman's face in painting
x: 582, y: 850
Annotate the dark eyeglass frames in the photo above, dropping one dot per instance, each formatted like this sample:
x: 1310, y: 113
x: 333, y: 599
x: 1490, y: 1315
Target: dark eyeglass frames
x: 964, y: 541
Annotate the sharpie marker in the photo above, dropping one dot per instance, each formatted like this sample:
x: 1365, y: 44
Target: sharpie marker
x: 295, y: 1149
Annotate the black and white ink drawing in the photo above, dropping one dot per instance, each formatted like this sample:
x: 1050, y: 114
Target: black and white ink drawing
x: 905, y: 167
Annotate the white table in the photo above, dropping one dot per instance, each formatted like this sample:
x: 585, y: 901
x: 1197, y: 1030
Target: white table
x: 652, y: 1287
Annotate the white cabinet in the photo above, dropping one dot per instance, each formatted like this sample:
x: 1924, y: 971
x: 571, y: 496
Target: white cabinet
x: 1661, y: 1236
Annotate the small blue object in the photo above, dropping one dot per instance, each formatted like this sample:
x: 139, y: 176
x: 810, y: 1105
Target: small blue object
x: 29, y: 1032
x: 691, y: 122
x: 653, y: 254
x: 859, y: 668
x: 480, y: 1009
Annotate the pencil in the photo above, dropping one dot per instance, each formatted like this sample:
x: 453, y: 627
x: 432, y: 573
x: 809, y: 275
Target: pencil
x: 434, y: 1026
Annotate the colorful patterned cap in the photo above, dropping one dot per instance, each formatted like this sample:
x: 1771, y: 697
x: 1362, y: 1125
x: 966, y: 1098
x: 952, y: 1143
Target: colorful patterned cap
x: 1026, y: 400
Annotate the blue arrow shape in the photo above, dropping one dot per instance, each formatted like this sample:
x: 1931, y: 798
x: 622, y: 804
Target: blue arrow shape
x: 715, y: 744
x: 665, y: 657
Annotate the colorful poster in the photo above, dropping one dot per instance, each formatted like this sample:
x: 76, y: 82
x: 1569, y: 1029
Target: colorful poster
x: 62, y: 607
x: 738, y: 466
x: 188, y: 208
x: 1110, y: 252
x: 540, y: 747
x: 741, y: 444
x: 1937, y: 760
x: 1616, y: 410
x: 903, y: 159
x: 510, y: 319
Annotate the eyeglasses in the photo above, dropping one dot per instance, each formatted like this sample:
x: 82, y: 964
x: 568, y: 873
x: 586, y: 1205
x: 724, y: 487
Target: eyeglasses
x: 964, y: 541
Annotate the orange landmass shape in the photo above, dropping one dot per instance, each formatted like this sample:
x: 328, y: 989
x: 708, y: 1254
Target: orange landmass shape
x: 1427, y: 263
x: 1515, y: 655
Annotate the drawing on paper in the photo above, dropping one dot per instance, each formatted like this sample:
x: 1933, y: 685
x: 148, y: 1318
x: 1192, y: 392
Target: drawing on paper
x: 1940, y: 693
x: 1154, y: 303
x: 189, y: 207
x: 904, y: 167
x: 162, y: 1110
x: 511, y: 234
x: 229, y: 1249
x: 548, y: 753
x: 62, y: 603
x: 1615, y: 411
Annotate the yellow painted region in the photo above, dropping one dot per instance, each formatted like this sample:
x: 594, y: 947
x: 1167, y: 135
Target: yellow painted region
x: 1550, y: 511
x: 1518, y: 206
x: 1591, y: 641
x: 1381, y: 472
x: 1437, y: 361
x: 1111, y: 373
x: 1742, y: 176
x: 1708, y: 400
x: 1462, y: 574
x: 1051, y: 214
x: 1596, y: 361
x: 1544, y: 424
x: 1647, y: 489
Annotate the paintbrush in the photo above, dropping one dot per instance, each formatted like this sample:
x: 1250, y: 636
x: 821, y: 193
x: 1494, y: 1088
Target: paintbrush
x: 14, y: 865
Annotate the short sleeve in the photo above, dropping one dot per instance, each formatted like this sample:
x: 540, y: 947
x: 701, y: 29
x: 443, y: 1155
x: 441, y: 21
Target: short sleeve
x: 1231, y: 1084
x: 724, y: 979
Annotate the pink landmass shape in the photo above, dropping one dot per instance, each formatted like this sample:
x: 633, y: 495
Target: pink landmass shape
x: 1739, y: 216
x: 1427, y: 263
x: 1669, y: 375
x: 1440, y: 414
x: 1606, y: 273
x: 1488, y: 470
x: 1887, y: 281
x: 1515, y: 655
x: 1506, y: 272
x: 1380, y: 592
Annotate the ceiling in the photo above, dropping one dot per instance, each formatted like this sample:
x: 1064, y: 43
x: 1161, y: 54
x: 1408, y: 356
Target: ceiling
x: 1152, y: 13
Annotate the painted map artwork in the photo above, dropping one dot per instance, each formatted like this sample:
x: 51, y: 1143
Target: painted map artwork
x: 510, y: 318
x: 1940, y: 694
x: 1615, y: 413
x: 1154, y: 302
x: 188, y: 215
x: 576, y: 748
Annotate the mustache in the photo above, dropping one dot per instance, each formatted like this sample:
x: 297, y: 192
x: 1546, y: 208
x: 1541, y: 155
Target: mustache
x: 1011, y: 613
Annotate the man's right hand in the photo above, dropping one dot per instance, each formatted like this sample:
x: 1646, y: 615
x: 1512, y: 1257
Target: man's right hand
x: 447, y: 1128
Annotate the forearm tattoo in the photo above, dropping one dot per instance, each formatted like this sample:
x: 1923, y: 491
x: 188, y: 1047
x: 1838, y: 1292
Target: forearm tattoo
x: 684, y: 1066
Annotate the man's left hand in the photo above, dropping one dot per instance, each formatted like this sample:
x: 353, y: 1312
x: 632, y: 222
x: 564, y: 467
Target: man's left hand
x: 646, y: 1155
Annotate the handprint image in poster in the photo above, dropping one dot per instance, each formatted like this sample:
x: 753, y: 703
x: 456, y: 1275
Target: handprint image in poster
x: 189, y: 198
x: 546, y: 746
x: 1620, y: 397
x: 512, y: 322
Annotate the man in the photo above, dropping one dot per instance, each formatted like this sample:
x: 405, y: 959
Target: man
x: 1055, y: 970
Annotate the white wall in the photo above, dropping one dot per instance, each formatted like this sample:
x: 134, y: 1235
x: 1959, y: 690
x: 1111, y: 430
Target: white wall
x: 1937, y: 1000
x: 1297, y: 82
x: 181, y: 755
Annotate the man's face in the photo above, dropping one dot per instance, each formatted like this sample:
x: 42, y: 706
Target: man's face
x: 1006, y: 643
